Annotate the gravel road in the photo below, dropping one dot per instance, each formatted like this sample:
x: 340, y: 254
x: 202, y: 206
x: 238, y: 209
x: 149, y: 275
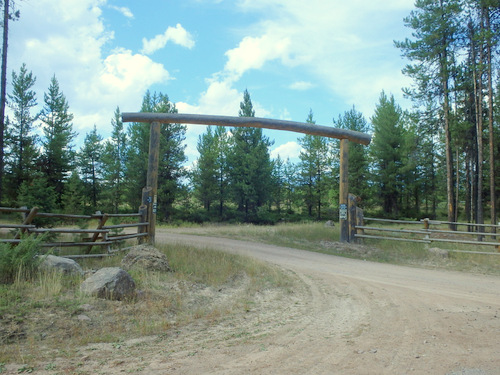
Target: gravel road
x: 351, y: 317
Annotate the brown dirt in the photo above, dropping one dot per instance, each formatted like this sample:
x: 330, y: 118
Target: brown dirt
x: 345, y: 317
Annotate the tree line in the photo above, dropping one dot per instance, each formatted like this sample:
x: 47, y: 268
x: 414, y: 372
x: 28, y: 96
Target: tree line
x: 435, y: 160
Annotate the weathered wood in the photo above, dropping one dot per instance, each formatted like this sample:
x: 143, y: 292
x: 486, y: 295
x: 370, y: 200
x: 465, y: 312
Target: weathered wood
x: 143, y: 219
x: 352, y: 217
x: 152, y: 176
x: 101, y: 223
x: 16, y: 226
x: 27, y: 221
x: 253, y: 122
x: 127, y: 236
x: 65, y: 216
x: 392, y: 221
x: 66, y: 230
x: 390, y: 238
x: 359, y: 222
x: 394, y: 230
x: 117, y: 226
x: 344, y: 190
x: 76, y: 244
x: 8, y: 209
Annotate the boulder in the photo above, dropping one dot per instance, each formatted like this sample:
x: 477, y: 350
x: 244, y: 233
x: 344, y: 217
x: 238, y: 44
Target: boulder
x: 64, y: 265
x: 146, y: 257
x: 329, y: 223
x: 110, y: 283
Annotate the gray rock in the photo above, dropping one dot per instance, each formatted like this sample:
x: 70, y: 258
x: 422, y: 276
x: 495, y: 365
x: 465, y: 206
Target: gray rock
x: 110, y: 283
x: 83, y: 318
x: 329, y: 223
x: 146, y: 257
x: 439, y: 252
x: 64, y: 265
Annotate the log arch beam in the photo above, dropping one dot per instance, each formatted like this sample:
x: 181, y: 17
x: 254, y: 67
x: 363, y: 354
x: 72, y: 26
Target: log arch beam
x: 155, y: 119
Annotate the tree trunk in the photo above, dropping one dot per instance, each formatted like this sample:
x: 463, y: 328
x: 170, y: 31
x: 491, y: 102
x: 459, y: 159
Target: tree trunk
x: 449, y: 157
x: 493, y: 210
x: 3, y: 84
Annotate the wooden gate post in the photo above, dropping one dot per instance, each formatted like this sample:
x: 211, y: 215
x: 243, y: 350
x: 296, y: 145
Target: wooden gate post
x: 351, y: 215
x: 344, y: 190
x: 152, y: 177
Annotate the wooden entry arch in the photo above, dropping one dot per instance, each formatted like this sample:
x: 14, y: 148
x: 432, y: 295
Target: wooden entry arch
x: 155, y: 119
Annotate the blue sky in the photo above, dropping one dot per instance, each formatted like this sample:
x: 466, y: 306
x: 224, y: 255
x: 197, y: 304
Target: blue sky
x: 291, y: 55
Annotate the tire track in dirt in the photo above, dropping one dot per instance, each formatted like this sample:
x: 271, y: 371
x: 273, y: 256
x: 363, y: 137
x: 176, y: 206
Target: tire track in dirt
x: 362, y: 318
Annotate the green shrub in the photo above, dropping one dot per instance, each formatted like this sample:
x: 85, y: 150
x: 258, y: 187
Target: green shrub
x: 20, y: 259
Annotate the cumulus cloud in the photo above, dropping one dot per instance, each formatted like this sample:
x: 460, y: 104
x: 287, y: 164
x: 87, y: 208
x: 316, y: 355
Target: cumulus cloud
x: 69, y: 39
x: 177, y: 35
x: 253, y: 52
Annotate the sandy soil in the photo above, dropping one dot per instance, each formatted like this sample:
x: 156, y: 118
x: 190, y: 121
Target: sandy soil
x: 345, y: 317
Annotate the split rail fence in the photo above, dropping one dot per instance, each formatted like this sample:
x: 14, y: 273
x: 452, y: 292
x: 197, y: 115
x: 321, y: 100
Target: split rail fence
x: 102, y: 236
x: 430, y: 231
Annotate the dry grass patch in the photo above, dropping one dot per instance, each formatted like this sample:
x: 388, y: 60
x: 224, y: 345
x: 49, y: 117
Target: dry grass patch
x: 46, y: 316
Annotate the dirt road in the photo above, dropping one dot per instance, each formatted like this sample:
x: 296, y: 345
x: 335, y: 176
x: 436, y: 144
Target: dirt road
x: 352, y: 317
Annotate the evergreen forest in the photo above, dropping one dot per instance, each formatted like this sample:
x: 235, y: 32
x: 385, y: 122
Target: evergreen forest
x: 437, y: 160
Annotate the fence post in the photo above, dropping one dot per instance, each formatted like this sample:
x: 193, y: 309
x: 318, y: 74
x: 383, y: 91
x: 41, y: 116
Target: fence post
x: 360, y: 222
x: 143, y: 211
x: 27, y: 221
x: 344, y: 190
x: 352, y: 217
x: 101, y: 223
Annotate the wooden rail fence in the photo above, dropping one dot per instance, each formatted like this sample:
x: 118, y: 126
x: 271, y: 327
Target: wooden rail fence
x: 426, y: 234
x: 103, y: 235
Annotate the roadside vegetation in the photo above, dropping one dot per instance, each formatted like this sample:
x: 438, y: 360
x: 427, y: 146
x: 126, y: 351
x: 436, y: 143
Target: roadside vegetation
x: 43, y: 315
x: 324, y: 239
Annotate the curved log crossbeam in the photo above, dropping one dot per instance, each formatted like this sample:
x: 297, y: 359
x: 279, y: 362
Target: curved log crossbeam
x: 255, y: 122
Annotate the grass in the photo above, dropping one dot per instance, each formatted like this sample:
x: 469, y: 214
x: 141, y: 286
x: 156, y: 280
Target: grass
x: 42, y: 315
x: 319, y: 238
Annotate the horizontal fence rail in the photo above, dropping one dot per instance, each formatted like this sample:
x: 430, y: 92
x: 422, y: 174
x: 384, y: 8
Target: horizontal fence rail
x: 103, y: 235
x: 427, y: 235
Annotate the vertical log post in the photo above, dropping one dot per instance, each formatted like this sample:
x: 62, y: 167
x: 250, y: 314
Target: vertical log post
x: 27, y: 221
x: 344, y: 190
x: 143, y: 218
x: 152, y: 177
x: 360, y: 222
x: 95, y: 236
x: 352, y: 218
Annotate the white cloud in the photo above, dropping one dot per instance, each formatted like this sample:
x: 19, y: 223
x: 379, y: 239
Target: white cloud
x: 68, y: 38
x: 123, y: 10
x: 346, y: 46
x: 301, y: 85
x: 287, y: 150
x: 253, y: 52
x: 177, y: 35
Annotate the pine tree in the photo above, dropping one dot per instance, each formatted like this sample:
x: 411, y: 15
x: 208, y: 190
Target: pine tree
x: 58, y: 155
x: 205, y: 178
x: 358, y: 154
x: 113, y: 161
x: 171, y: 157
x: 436, y: 26
x: 250, y: 165
x: 8, y: 15
x: 387, y: 153
x: 21, y: 139
x: 73, y: 198
x: 315, y: 168
x: 90, y: 165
